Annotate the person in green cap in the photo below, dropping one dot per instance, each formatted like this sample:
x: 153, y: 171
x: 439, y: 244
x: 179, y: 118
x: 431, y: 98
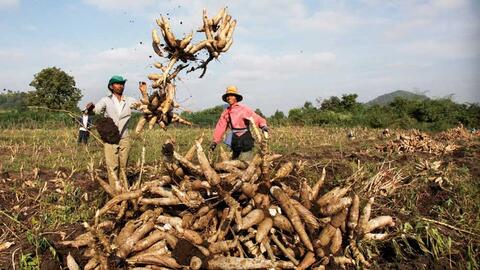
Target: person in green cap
x: 117, y: 107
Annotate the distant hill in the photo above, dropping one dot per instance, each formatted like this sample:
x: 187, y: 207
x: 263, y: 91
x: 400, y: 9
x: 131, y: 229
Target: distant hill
x: 388, y: 98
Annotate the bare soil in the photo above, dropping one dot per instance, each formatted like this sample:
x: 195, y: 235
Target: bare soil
x: 20, y: 208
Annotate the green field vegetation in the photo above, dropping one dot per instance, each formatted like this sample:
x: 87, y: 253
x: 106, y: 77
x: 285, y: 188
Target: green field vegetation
x: 54, y: 148
x: 48, y: 187
x: 404, y: 112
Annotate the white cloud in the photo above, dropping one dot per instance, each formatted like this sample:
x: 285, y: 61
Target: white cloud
x: 8, y: 55
x: 431, y: 8
x: 258, y: 66
x: 439, y: 49
x: 406, y: 28
x: 399, y: 65
x: 120, y: 4
x: 64, y: 52
x: 449, y: 4
x: 325, y: 21
x: 30, y: 27
x: 95, y: 66
x: 120, y: 55
x: 9, y: 3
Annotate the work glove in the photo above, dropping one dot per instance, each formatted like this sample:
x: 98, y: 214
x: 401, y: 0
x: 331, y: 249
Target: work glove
x: 265, y: 129
x: 213, y: 146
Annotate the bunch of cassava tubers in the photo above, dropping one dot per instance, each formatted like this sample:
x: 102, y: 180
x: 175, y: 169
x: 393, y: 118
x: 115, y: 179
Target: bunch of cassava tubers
x: 232, y: 215
x: 417, y: 141
x: 158, y: 107
x: 459, y: 133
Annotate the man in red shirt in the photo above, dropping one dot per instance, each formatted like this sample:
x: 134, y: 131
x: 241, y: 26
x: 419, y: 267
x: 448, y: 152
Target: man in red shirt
x: 235, y: 117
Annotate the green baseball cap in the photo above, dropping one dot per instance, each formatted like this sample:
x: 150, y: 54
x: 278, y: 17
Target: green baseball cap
x: 116, y: 79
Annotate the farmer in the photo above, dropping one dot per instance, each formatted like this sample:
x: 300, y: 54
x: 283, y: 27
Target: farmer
x: 117, y: 107
x: 235, y: 117
x: 86, y: 122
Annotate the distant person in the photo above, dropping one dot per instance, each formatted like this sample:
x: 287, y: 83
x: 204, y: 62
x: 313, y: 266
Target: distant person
x: 351, y: 135
x: 86, y: 123
x: 386, y: 133
x: 235, y: 117
x: 117, y: 107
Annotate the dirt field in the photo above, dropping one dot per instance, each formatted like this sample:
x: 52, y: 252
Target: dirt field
x: 428, y: 183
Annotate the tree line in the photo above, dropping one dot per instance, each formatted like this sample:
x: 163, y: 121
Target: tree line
x: 346, y: 111
x: 55, y: 89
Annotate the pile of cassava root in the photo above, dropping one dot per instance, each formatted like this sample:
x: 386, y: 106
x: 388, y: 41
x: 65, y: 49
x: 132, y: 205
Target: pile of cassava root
x: 229, y: 215
x: 417, y: 141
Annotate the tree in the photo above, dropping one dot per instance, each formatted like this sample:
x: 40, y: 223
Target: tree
x: 55, y: 89
x: 278, y: 118
x: 278, y: 115
x: 205, y: 118
x: 259, y: 112
x: 349, y: 102
x: 330, y: 104
x: 12, y: 100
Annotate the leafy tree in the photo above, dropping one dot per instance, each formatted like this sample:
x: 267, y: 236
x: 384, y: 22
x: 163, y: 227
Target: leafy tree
x: 12, y: 100
x: 349, y: 103
x: 306, y: 115
x: 206, y: 118
x: 279, y: 115
x: 402, y: 106
x: 470, y: 116
x: 55, y: 89
x: 295, y: 116
x: 308, y: 105
x: 259, y: 112
x: 377, y: 116
x: 278, y: 118
x: 330, y: 104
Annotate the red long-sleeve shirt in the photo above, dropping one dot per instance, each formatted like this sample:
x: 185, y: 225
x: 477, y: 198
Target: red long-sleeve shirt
x: 239, y: 114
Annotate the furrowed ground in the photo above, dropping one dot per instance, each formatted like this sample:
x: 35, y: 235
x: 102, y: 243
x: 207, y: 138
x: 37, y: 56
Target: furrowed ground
x: 427, y: 182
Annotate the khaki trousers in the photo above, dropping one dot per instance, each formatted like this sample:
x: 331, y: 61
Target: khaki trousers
x: 116, y: 158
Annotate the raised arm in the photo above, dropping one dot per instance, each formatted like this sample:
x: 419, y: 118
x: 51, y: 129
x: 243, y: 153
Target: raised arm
x: 100, y: 106
x: 142, y: 87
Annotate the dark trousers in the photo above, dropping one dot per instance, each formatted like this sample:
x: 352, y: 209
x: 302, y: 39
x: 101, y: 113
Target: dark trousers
x: 83, y: 137
x: 241, y: 144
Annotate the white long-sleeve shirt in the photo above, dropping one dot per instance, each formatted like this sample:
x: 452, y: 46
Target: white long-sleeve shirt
x: 119, y: 111
x: 84, y: 125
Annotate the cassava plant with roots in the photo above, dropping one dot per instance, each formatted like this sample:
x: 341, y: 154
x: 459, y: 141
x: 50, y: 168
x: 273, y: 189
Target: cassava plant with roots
x: 178, y: 54
x: 231, y: 214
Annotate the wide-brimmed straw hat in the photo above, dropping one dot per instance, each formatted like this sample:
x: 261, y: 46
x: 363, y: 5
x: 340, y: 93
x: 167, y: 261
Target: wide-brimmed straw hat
x: 232, y: 91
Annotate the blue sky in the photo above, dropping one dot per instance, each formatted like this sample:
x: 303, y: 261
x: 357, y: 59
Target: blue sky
x: 285, y: 52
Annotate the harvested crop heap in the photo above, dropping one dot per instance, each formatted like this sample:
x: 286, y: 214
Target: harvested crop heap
x: 456, y: 134
x: 416, y: 141
x: 158, y: 107
x: 232, y: 215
